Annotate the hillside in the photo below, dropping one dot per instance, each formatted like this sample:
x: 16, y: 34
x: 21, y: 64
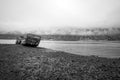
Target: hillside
x: 70, y: 34
x: 114, y: 37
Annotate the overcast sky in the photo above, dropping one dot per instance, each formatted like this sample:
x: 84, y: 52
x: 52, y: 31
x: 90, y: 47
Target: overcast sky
x: 47, y: 14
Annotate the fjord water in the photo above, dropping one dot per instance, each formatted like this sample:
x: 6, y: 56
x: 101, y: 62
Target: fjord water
x: 110, y: 49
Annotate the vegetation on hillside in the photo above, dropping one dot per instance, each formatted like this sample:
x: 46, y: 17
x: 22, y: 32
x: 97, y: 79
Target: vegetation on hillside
x: 81, y: 37
x: 72, y: 34
x: 68, y: 37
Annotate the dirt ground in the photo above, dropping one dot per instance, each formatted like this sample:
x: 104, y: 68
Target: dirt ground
x: 19, y: 62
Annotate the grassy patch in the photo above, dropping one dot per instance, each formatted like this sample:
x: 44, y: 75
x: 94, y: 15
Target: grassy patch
x: 25, y: 63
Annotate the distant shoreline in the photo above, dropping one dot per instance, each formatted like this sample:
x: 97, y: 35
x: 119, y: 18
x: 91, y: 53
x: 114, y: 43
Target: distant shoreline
x: 115, y: 37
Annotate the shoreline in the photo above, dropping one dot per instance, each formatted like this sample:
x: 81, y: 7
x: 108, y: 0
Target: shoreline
x: 95, y: 48
x: 19, y: 62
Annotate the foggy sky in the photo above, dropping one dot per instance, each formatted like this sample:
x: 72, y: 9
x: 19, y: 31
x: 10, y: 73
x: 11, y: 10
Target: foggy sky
x: 48, y: 14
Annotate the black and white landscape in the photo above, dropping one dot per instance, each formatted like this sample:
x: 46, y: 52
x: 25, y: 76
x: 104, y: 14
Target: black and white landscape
x: 80, y: 39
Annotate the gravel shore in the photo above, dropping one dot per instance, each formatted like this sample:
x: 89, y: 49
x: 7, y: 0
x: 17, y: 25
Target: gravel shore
x: 19, y: 62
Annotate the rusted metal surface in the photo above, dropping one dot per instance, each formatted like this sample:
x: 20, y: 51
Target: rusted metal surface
x: 29, y: 40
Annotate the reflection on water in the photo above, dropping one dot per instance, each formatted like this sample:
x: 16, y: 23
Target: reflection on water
x: 7, y: 41
x: 99, y: 48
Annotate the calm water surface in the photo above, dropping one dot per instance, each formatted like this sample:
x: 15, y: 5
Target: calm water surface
x: 109, y: 49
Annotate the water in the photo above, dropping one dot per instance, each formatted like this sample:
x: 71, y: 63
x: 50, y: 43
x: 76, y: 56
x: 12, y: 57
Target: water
x: 109, y: 49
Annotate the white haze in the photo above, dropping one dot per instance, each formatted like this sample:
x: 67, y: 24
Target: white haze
x: 28, y: 15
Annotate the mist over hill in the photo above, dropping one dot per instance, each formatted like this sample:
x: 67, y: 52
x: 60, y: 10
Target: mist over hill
x: 75, y: 31
x: 71, y: 34
x: 84, y: 31
x: 69, y: 31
